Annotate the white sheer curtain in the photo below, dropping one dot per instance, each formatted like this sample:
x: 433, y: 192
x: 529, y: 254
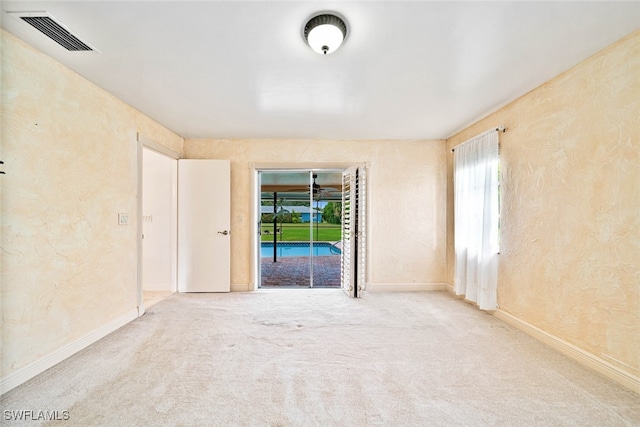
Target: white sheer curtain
x: 476, y: 219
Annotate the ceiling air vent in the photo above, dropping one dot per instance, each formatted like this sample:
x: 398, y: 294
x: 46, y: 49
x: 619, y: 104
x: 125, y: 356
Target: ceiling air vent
x: 50, y: 27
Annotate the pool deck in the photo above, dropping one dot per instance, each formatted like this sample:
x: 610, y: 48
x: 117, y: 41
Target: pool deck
x: 295, y: 272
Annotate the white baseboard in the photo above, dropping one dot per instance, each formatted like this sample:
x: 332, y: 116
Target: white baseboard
x: 24, y: 374
x: 158, y: 287
x: 590, y: 360
x: 405, y: 287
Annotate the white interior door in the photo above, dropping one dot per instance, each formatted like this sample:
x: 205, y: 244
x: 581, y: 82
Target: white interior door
x: 159, y: 221
x: 204, y: 210
x: 352, y: 268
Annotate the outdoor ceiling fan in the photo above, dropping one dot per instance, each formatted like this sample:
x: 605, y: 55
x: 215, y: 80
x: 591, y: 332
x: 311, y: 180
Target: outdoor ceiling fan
x: 316, y: 190
x: 319, y: 191
x: 315, y: 187
x: 323, y: 192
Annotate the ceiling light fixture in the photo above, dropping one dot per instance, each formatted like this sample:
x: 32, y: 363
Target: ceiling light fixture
x: 325, y: 32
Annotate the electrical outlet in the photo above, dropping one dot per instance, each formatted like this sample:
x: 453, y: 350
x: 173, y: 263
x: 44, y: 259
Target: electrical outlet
x: 123, y: 219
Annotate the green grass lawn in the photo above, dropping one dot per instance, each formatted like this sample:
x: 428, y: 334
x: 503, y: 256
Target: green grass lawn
x: 300, y: 232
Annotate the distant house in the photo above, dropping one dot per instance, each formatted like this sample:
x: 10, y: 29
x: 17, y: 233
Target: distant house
x: 305, y: 211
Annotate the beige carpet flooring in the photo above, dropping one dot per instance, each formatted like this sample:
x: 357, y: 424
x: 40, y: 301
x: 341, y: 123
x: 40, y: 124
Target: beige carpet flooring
x: 151, y: 298
x: 313, y: 357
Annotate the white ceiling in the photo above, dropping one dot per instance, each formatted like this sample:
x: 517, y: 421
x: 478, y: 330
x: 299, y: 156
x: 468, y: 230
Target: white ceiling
x: 238, y: 69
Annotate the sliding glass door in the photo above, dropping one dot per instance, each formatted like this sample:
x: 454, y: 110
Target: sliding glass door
x: 284, y: 235
x: 300, y: 228
x: 326, y: 236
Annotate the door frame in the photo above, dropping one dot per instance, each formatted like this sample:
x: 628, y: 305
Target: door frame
x: 141, y: 143
x: 254, y: 195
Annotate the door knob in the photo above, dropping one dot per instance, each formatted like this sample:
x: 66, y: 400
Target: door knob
x: 224, y: 233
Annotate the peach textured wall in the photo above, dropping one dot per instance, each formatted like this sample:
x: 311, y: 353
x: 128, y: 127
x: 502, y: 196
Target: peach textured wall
x: 570, y: 254
x: 406, y: 195
x: 71, y: 166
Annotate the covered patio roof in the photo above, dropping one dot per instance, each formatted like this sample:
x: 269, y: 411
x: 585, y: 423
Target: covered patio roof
x: 294, y: 185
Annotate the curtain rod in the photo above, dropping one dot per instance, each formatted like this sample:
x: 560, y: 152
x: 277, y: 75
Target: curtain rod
x: 498, y: 129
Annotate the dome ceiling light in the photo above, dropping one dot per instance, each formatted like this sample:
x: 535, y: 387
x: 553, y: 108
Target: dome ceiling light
x: 325, y: 32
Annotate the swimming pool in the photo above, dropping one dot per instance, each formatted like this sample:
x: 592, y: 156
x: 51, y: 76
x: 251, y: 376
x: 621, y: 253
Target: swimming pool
x: 285, y: 249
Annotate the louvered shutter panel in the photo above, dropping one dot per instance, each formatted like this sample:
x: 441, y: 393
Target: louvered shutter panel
x: 353, y: 257
x: 346, y: 279
x: 361, y: 229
